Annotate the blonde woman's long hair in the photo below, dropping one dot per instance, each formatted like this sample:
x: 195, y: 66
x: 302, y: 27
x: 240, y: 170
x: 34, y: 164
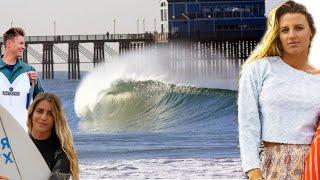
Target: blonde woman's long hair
x: 270, y: 44
x: 61, y: 128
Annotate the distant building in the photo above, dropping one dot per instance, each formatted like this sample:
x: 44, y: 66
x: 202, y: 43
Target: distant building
x: 213, y: 19
x: 164, y: 16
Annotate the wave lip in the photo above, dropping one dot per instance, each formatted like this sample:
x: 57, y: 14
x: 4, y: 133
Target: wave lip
x: 154, y: 106
x: 144, y: 87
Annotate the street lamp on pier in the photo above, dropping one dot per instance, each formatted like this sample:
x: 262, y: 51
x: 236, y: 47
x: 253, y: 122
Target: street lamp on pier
x: 114, y: 26
x: 144, y: 26
x: 138, y: 26
x: 155, y: 25
x: 54, y: 28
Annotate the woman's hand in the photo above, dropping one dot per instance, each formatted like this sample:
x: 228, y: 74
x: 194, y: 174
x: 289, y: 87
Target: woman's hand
x: 3, y: 178
x: 255, y: 174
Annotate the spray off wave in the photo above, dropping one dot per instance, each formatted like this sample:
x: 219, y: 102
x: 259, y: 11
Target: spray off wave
x: 144, y: 93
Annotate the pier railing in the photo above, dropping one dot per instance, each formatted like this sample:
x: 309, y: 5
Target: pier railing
x: 88, y: 38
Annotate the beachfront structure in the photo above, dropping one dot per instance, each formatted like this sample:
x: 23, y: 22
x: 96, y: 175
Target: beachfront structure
x: 213, y: 19
x: 164, y: 16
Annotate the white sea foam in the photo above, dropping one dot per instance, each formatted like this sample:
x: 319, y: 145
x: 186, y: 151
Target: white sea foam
x: 225, y: 168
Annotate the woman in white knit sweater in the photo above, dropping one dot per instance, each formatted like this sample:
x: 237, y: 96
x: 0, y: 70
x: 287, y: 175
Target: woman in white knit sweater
x: 279, y: 99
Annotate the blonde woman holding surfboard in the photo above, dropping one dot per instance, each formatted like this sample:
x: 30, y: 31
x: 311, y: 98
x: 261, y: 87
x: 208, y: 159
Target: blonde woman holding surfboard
x: 48, y: 128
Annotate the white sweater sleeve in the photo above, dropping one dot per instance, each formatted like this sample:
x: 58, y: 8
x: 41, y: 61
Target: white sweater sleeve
x: 248, y: 116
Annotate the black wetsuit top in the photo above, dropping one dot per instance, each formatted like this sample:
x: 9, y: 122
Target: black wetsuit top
x: 54, y: 156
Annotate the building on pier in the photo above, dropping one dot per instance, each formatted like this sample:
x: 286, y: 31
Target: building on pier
x: 213, y: 19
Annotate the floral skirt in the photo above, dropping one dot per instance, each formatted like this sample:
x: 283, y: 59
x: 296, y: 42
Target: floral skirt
x: 284, y: 161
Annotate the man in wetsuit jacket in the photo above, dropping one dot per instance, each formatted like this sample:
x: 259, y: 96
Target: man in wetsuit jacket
x: 17, y: 78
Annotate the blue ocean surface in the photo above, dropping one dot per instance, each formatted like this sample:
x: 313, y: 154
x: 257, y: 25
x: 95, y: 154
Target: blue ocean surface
x: 140, y: 125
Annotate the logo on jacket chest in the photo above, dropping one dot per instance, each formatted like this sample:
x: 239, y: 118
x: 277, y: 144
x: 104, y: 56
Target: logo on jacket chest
x: 11, y: 92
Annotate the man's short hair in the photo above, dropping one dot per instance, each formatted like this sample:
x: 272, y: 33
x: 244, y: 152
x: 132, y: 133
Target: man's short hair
x: 11, y: 33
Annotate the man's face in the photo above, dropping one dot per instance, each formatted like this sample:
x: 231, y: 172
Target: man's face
x: 16, y: 45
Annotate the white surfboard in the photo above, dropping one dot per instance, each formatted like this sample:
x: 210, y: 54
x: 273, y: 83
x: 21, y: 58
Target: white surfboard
x: 20, y: 158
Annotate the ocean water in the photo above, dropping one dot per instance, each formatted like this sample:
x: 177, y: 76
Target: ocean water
x: 134, y: 121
